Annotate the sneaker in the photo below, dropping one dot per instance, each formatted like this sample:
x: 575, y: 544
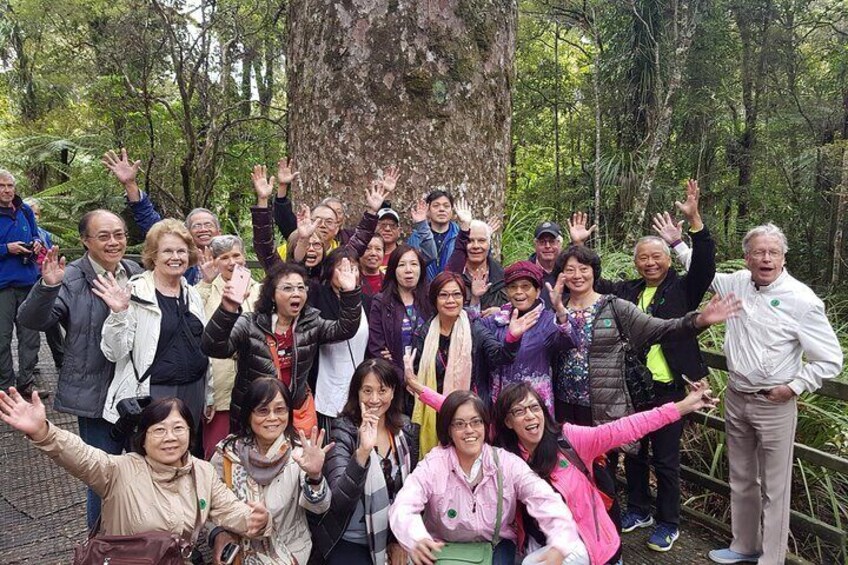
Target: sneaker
x: 729, y: 556
x: 663, y: 537
x: 633, y: 519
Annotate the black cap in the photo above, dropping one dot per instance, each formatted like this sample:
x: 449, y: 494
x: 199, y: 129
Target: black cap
x: 548, y: 227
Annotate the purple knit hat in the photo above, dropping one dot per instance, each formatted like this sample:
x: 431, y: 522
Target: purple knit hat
x: 524, y: 270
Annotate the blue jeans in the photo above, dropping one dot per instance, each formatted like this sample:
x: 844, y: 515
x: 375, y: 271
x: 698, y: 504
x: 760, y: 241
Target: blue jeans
x: 504, y: 553
x: 96, y: 432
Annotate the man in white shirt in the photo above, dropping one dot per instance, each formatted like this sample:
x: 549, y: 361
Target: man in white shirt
x: 782, y: 320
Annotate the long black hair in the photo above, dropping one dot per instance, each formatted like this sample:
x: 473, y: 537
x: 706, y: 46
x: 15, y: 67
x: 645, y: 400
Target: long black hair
x: 388, y: 376
x: 545, y: 457
x: 262, y: 392
x: 390, y: 284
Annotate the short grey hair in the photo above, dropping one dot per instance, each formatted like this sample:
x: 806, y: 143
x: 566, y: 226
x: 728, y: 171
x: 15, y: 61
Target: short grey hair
x: 484, y: 225
x: 765, y: 230
x: 221, y: 244
x: 199, y: 211
x: 651, y: 239
x: 7, y: 174
x: 334, y: 199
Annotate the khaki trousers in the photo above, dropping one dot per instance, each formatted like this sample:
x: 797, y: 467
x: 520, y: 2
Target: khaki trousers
x: 760, y: 436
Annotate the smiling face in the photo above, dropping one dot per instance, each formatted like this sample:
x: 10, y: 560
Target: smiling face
x: 449, y: 301
x: 439, y: 211
x: 765, y: 258
x: 327, y: 223
x: 526, y: 418
x: 290, y: 295
x: 106, y: 239
x: 373, y: 256
x: 652, y: 261
x: 167, y: 441
x: 389, y: 230
x: 376, y: 396
x: 522, y: 294
x: 547, y: 247
x: 203, y: 227
x: 227, y: 262
x: 579, y: 277
x: 467, y: 431
x: 478, y: 244
x: 270, y: 420
x: 172, y: 256
x: 408, y: 271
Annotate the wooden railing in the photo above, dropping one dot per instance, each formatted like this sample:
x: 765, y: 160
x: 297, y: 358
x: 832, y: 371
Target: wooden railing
x: 799, y: 521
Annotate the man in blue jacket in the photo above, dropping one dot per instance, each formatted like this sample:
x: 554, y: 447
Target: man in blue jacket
x: 439, y: 214
x: 19, y: 246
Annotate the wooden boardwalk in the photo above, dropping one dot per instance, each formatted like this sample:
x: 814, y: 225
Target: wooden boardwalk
x: 42, y: 508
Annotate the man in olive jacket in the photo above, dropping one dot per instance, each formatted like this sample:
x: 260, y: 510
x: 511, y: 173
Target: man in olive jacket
x: 64, y: 296
x: 662, y: 292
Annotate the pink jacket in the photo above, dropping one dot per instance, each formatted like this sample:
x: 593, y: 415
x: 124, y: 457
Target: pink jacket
x: 594, y: 524
x: 452, y: 512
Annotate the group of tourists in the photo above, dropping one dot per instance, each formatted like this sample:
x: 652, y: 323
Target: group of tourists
x: 381, y: 399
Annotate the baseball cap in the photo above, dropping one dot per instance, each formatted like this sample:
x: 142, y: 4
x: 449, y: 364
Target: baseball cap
x: 548, y: 227
x: 388, y: 212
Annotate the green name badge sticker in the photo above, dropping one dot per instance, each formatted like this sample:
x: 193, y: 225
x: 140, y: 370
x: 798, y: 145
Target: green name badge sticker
x: 775, y: 302
x: 203, y: 504
x: 451, y: 513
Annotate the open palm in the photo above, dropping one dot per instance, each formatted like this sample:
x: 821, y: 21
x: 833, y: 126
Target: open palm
x: 29, y: 418
x: 312, y: 455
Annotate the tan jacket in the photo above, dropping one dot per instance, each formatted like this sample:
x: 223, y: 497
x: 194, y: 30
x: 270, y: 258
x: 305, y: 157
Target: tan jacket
x: 223, y: 370
x: 140, y: 495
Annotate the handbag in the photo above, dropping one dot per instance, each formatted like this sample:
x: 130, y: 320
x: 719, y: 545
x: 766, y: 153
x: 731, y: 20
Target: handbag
x: 476, y: 553
x: 147, y: 548
x: 639, y: 379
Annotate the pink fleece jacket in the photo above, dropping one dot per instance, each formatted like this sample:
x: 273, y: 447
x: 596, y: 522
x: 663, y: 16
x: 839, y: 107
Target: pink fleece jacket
x: 593, y: 523
x: 453, y: 512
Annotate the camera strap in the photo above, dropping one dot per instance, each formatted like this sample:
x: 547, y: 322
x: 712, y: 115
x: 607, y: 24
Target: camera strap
x: 144, y: 376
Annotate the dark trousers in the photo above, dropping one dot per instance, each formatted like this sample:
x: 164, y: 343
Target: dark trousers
x: 56, y: 342
x: 96, y: 432
x: 566, y: 412
x: 347, y: 553
x: 665, y: 458
x: 28, y: 341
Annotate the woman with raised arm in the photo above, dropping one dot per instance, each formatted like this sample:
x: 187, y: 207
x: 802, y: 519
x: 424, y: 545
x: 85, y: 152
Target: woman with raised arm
x: 159, y: 487
x: 272, y: 463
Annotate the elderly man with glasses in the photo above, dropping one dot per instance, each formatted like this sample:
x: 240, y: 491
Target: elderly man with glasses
x: 64, y: 296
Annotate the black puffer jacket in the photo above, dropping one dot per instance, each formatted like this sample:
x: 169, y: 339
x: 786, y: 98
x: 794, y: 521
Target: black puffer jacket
x: 244, y: 336
x: 347, y: 480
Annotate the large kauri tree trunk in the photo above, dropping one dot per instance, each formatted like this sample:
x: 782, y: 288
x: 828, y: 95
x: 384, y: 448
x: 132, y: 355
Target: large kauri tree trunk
x: 422, y: 84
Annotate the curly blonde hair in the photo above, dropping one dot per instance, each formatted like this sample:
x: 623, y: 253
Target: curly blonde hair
x: 166, y: 227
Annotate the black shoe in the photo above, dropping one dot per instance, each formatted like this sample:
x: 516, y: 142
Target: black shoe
x: 26, y: 392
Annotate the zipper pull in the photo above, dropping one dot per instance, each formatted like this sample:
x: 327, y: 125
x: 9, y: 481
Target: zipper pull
x: 474, y: 507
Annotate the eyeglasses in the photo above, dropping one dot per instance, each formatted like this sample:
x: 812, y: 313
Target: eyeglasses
x: 104, y: 237
x: 160, y: 433
x: 446, y: 295
x: 474, y: 423
x: 393, y: 484
x: 266, y: 411
x: 329, y: 222
x: 289, y: 289
x: 314, y: 245
x: 202, y: 226
x: 387, y: 226
x: 760, y: 253
x: 521, y: 411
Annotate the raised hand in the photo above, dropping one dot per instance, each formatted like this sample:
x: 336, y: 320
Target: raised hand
x: 665, y: 227
x: 231, y: 299
x: 263, y: 185
x: 463, y: 214
x: 689, y: 207
x: 53, y: 267
x: 495, y: 225
x: 311, y: 456
x: 27, y: 417
x: 480, y: 284
x: 419, y: 211
x: 116, y: 297
x: 367, y: 435
x: 206, y: 264
x: 555, y: 293
x: 286, y: 174
x: 305, y: 225
x: 390, y: 178
x: 257, y: 520
x: 519, y: 325
x: 577, y: 229
x: 123, y: 169
x: 718, y: 310
x: 375, y: 196
x: 347, y: 275
x: 413, y: 385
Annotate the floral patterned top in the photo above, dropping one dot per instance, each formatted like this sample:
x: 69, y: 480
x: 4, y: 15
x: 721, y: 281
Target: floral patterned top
x: 573, y: 375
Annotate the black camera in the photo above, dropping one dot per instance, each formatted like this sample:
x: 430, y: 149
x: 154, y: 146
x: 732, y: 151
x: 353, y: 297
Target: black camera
x: 27, y: 257
x: 129, y: 414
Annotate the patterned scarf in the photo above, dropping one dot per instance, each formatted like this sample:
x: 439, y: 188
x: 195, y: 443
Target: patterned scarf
x: 376, y: 499
x: 457, y: 374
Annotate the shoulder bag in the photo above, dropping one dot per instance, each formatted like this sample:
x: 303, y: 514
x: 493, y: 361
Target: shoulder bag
x: 637, y: 376
x: 476, y: 553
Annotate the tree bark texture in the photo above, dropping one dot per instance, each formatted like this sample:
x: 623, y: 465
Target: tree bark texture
x: 424, y: 85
